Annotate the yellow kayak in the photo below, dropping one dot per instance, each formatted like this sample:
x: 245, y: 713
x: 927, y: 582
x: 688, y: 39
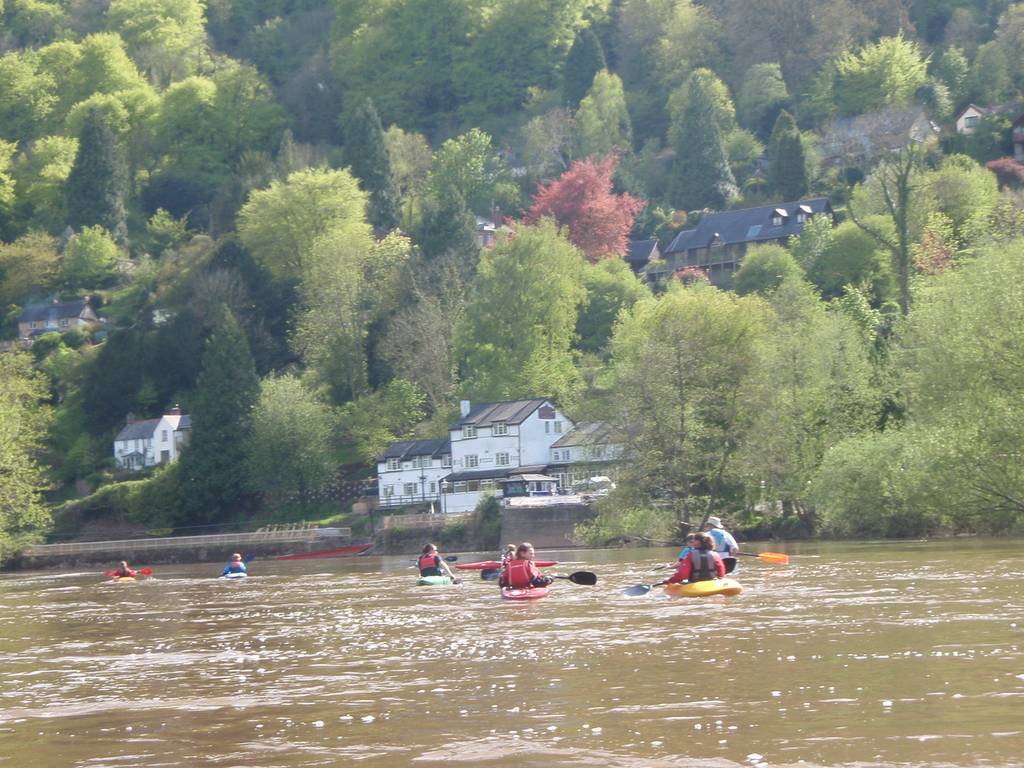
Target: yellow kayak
x: 728, y: 587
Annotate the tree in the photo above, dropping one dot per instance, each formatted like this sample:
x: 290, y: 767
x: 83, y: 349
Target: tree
x: 166, y: 37
x: 611, y: 288
x: 988, y: 81
x: 761, y: 96
x: 98, y: 183
x: 89, y: 260
x: 787, y: 168
x: 367, y: 154
x: 222, y: 410
x: 40, y: 174
x: 446, y: 227
x: 682, y: 365
x: 886, y: 73
x: 952, y: 69
x: 853, y: 257
x: 289, y: 451
x: 764, y: 269
x: 23, y: 421
x: 602, y: 121
x: 514, y: 338
x: 26, y: 96
x: 27, y: 266
x: 280, y: 224
x: 701, y: 174
x: 418, y: 347
x: 375, y: 421
x: 582, y: 200
x: 470, y: 165
x: 585, y: 59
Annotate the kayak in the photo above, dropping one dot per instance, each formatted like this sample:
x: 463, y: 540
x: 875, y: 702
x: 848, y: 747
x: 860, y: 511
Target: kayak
x: 433, y: 581
x: 727, y: 587
x: 119, y: 579
x: 532, y: 593
x: 236, y: 575
x: 351, y: 549
x: 492, y: 564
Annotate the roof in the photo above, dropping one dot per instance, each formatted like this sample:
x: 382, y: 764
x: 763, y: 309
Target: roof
x: 55, y: 310
x: 508, y: 412
x: 530, y: 478
x: 584, y: 433
x: 138, y: 430
x: 748, y: 225
x: 407, y: 449
x: 492, y: 474
x: 642, y: 251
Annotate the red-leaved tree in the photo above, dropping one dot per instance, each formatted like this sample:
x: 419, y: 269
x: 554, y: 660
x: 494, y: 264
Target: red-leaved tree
x: 582, y: 201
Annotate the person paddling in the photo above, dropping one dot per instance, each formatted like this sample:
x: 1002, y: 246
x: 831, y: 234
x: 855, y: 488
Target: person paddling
x: 702, y: 563
x: 725, y: 544
x: 508, y: 554
x: 235, y: 566
x: 124, y: 572
x: 691, y: 538
x: 432, y: 564
x: 520, y: 572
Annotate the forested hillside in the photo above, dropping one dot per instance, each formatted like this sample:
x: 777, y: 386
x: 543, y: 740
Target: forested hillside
x: 276, y: 210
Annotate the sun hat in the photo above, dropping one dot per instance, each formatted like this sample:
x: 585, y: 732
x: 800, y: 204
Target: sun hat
x: 714, y: 522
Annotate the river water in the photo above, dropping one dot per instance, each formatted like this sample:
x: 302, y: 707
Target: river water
x: 853, y: 655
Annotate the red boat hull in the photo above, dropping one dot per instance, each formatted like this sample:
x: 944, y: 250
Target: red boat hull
x: 352, y: 549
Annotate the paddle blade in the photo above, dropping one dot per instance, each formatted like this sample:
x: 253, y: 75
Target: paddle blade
x: 638, y: 590
x: 451, y: 558
x: 110, y: 574
x: 729, y: 563
x: 774, y: 557
x: 146, y: 571
x: 490, y: 574
x: 248, y: 558
x: 587, y: 578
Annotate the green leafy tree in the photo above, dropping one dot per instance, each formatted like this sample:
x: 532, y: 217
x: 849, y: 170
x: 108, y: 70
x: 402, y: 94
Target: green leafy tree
x: 765, y: 268
x: 952, y: 69
x: 28, y: 266
x: 853, y: 257
x: 602, y: 121
x: 762, y: 95
x: 367, y: 154
x: 222, y: 410
x: 289, y: 451
x: 98, y: 183
x: 89, y: 260
x: 470, y: 165
x: 515, y: 337
x: 40, y: 174
x: 23, y: 422
x: 585, y: 59
x: 886, y: 73
x: 417, y: 346
x: 280, y: 224
x: 26, y: 96
x: 167, y: 38
x: 611, y: 289
x: 787, y: 167
x: 989, y: 81
x: 701, y: 174
x: 375, y: 421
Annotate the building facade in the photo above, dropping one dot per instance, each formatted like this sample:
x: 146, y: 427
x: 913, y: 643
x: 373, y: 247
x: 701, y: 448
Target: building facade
x: 148, y: 442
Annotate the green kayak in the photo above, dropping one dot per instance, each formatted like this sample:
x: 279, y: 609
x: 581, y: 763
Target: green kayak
x: 433, y: 581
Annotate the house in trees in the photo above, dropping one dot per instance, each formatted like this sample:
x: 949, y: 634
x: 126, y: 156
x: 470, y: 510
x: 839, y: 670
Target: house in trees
x: 641, y: 253
x: 60, y: 316
x: 148, y: 442
x: 719, y: 242
x: 968, y: 118
x: 586, y: 451
x: 861, y: 140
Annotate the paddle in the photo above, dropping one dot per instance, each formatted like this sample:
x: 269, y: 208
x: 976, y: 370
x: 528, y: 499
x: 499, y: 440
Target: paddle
x: 490, y: 574
x: 141, y: 571
x: 638, y: 590
x: 586, y: 578
x: 769, y: 557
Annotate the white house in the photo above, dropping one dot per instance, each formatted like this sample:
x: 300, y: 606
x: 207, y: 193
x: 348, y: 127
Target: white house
x: 489, y: 443
x: 152, y: 441
x: 585, y: 451
x: 410, y: 472
x: 967, y: 120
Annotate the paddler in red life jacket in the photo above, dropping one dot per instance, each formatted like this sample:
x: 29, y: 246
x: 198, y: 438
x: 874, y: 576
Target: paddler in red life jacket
x: 123, y: 571
x: 432, y: 564
x: 520, y: 572
x: 701, y: 564
x: 508, y: 554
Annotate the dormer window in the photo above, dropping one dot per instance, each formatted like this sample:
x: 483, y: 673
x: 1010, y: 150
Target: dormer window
x: 468, y: 431
x: 779, y: 217
x: 500, y: 428
x: 803, y: 213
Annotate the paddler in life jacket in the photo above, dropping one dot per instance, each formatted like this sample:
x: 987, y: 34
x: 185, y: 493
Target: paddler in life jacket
x: 235, y: 566
x: 508, y: 554
x: 520, y: 572
x: 432, y: 564
x: 701, y: 564
x: 123, y: 571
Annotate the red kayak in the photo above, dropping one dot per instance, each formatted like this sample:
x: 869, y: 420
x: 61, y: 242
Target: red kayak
x: 533, y: 593
x: 351, y: 549
x: 492, y: 564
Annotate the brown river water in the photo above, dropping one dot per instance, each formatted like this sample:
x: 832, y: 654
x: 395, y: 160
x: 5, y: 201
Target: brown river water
x: 865, y: 654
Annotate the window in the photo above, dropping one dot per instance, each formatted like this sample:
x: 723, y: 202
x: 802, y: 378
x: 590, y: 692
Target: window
x: 556, y: 455
x: 801, y: 217
x: 65, y: 323
x: 460, y: 486
x: 433, y: 486
x: 500, y: 429
x: 446, y: 460
x: 389, y: 490
x: 472, y: 461
x: 501, y: 459
x: 970, y: 121
x: 472, y: 486
x: 486, y: 485
x: 468, y: 431
x: 566, y: 455
x: 420, y: 461
x: 409, y: 489
x: 776, y: 221
x: 558, y: 427
x: 394, y: 464
x: 163, y: 435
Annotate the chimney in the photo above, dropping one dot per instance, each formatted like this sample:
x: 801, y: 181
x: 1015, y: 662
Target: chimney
x: 129, y: 419
x: 464, y: 408
x: 175, y: 411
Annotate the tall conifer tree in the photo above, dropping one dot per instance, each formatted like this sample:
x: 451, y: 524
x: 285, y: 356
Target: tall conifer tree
x: 226, y: 391
x: 98, y: 183
x: 787, y: 170
x: 701, y: 174
x: 367, y: 154
x: 585, y: 59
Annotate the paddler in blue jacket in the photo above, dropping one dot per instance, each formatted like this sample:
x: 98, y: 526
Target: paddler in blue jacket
x: 725, y: 544
x: 235, y: 566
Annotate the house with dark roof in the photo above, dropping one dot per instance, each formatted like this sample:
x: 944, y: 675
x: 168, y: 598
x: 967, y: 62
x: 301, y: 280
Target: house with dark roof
x: 410, y: 472
x: 60, y: 316
x: 148, y: 442
x: 583, y: 453
x: 641, y: 253
x: 860, y: 140
x: 719, y: 242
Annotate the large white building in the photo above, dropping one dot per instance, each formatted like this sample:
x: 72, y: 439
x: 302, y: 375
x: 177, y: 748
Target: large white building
x: 148, y: 442
x: 490, y: 442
